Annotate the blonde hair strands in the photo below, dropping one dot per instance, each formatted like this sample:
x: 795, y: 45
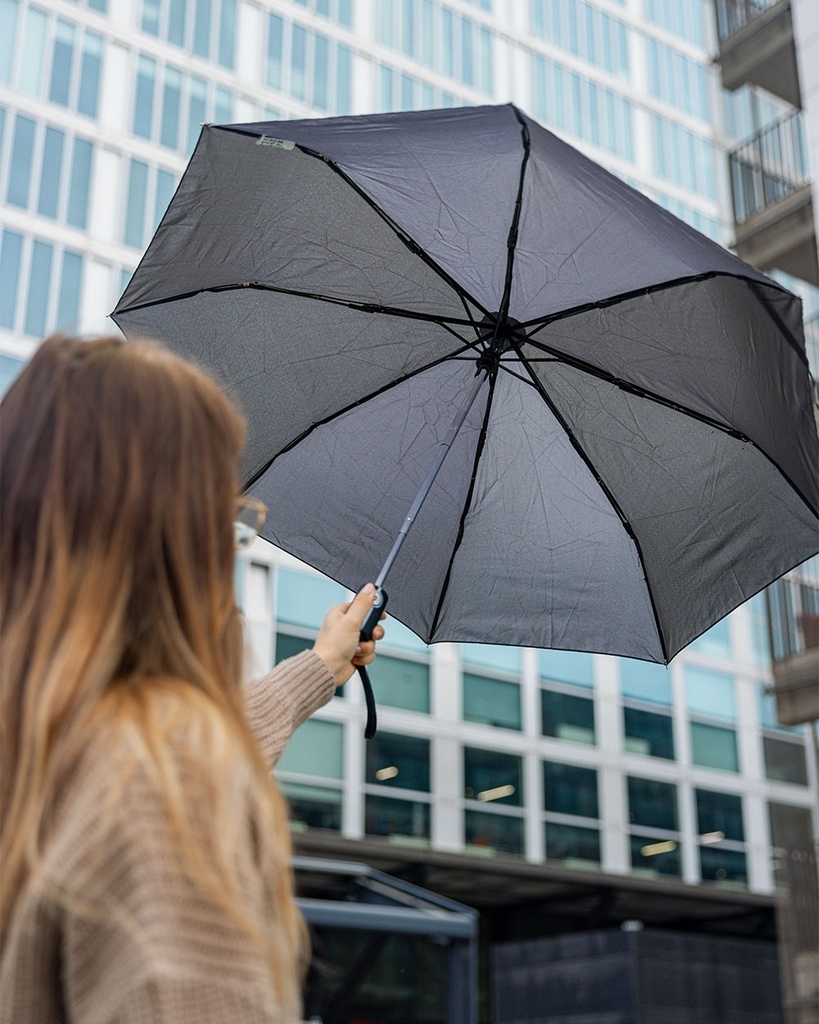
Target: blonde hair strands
x: 117, y: 619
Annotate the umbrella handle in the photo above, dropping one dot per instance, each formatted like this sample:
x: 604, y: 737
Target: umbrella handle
x: 377, y: 610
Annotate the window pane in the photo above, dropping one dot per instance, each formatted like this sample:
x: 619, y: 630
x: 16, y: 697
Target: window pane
x: 196, y: 111
x: 652, y: 803
x: 567, y: 667
x: 38, y: 288
x: 569, y: 789
x: 223, y: 106
x: 723, y: 865
x: 343, y: 75
x: 493, y: 777
x: 290, y: 646
x: 9, y: 368
x: 88, y: 96
x: 30, y: 75
x: 785, y: 761
x: 303, y: 600
x: 507, y: 659
x: 720, y: 812
x: 493, y: 832
x: 8, y: 24
x: 491, y: 701
x: 320, y: 61
x: 50, y: 177
x: 643, y: 680
x: 313, y: 806
x: 570, y: 843
x: 144, y: 98
x: 11, y: 249
x: 385, y: 816
x: 80, y: 183
x: 709, y: 693
x: 655, y: 857
x: 567, y: 717
x: 401, y: 684
x: 275, y: 43
x: 227, y: 34
x: 713, y: 747
x: 70, y: 290
x: 177, y: 11
x: 150, y: 17
x: 298, y: 63
x: 61, y: 63
x: 171, y: 98
x: 135, y: 211
x: 315, y: 749
x: 201, y: 28
x: 20, y: 171
x: 716, y: 640
x: 165, y: 184
x: 399, y: 761
x: 648, y: 734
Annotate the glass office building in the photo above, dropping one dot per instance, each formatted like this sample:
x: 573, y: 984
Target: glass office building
x: 591, y: 765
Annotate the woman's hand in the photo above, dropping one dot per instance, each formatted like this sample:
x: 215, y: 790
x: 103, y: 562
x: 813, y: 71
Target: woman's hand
x: 338, y: 644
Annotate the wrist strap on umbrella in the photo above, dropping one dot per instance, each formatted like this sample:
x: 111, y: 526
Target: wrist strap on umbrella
x: 372, y: 719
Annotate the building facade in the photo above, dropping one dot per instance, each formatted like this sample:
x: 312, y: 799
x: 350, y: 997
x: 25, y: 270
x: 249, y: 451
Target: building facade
x: 548, y: 789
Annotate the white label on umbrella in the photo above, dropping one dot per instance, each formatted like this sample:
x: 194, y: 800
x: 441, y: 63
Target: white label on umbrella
x: 268, y: 140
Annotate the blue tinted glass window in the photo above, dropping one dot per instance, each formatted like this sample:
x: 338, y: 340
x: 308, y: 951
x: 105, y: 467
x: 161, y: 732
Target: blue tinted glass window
x: 499, y: 833
x: 507, y: 659
x: 177, y: 12
x: 38, y: 288
x: 61, y: 63
x: 165, y: 184
x: 223, y: 106
x: 2, y: 125
x: 313, y: 806
x: 171, y: 99
x: 227, y: 34
x: 150, y: 17
x: 402, y: 684
x: 98, y: 5
x: 720, y: 812
x: 656, y: 857
x: 320, y: 72
x: 713, y: 747
x: 20, y: 170
x: 8, y: 25
x: 68, y: 303
x: 275, y: 46
x: 716, y: 640
x: 467, y: 70
x: 646, y: 733
x: 30, y: 74
x: 567, y: 717
x: 491, y: 701
x: 144, y: 97
x: 567, y: 667
x: 646, y: 681
x: 493, y: 777
x: 652, y: 803
x: 88, y: 95
x: 51, y: 173
x: 709, y: 693
x: 572, y: 843
x: 80, y: 183
x: 387, y: 816
x: 343, y: 76
x: 135, y: 209
x: 298, y: 63
x: 345, y: 13
x: 11, y: 251
x: 201, y: 28
x: 197, y: 99
x: 315, y: 748
x: 398, y: 761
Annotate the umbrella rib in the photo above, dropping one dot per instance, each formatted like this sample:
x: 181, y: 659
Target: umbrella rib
x: 468, y: 347
x: 538, y: 385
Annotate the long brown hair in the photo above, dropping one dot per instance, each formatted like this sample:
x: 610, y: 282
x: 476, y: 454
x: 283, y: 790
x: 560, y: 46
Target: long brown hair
x: 118, y: 470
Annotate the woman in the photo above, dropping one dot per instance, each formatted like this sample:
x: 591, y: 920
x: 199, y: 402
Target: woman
x: 144, y: 847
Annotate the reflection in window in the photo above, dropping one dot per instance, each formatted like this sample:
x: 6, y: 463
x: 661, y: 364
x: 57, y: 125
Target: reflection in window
x: 491, y: 776
x: 573, y: 844
x: 493, y: 833
x: 652, y: 803
x: 570, y: 789
x: 567, y: 717
x: 722, y: 865
x: 719, y: 813
x: 491, y: 701
x: 654, y: 856
x: 713, y: 747
x: 648, y: 733
x: 399, y: 763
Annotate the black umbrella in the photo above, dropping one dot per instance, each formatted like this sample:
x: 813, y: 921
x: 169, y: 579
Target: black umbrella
x: 625, y: 406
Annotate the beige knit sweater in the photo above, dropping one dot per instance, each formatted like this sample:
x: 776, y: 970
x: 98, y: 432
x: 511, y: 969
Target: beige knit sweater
x: 62, y: 967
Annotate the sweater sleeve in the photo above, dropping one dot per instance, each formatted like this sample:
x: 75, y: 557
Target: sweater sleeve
x: 278, y: 703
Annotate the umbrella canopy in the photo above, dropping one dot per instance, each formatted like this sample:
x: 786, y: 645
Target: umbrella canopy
x: 641, y: 457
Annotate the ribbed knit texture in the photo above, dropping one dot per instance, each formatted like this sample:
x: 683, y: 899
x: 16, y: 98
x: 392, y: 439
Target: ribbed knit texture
x: 143, y: 945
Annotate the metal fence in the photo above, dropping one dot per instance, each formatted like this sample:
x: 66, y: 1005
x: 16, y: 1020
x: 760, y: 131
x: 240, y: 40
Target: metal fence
x: 769, y: 166
x: 732, y: 15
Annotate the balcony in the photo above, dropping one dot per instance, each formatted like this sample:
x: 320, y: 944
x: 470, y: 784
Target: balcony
x: 793, y: 614
x: 773, y: 206
x: 756, y: 47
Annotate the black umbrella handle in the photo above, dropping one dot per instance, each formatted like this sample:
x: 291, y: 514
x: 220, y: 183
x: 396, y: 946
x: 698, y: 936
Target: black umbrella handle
x: 377, y: 610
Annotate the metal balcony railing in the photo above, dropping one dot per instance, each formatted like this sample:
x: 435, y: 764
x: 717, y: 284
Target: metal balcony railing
x: 769, y: 166
x: 793, y: 614
x: 732, y: 15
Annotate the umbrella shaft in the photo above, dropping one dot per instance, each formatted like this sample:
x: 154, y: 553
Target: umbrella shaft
x: 443, y: 449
